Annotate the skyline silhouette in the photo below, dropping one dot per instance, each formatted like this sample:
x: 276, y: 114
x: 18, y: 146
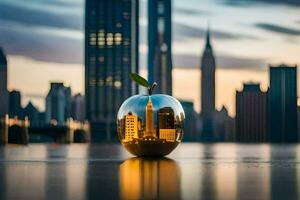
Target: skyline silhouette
x: 253, y: 43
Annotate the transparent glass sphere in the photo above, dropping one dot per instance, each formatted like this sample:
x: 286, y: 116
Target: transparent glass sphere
x: 150, y: 125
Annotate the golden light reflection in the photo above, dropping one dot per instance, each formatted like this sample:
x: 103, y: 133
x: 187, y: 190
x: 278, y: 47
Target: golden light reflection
x: 149, y: 179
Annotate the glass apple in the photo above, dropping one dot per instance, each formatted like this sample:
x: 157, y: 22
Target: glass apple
x: 150, y: 125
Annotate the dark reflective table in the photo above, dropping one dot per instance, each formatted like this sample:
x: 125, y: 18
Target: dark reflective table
x: 192, y: 171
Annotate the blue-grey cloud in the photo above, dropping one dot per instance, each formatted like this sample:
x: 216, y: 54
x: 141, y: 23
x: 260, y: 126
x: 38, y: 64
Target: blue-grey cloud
x: 223, y: 61
x: 34, y: 17
x: 183, y: 31
x: 190, y: 11
x: 251, y: 2
x: 46, y: 30
x: 278, y: 29
x: 68, y: 3
x: 45, y: 44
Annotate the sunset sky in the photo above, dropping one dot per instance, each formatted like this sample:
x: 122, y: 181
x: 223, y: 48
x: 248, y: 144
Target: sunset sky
x: 44, y: 42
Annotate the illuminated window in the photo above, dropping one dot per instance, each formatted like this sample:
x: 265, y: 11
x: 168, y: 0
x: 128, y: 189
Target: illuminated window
x: 109, y: 81
x: 109, y: 39
x: 93, y: 39
x: 101, y: 37
x: 118, y: 84
x: 118, y: 38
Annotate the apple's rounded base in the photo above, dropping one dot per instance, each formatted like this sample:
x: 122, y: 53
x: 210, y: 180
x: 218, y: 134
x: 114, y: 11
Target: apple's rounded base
x: 150, y: 149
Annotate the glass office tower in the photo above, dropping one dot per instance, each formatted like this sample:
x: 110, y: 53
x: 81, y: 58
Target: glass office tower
x: 283, y: 104
x: 159, y: 45
x: 111, y: 53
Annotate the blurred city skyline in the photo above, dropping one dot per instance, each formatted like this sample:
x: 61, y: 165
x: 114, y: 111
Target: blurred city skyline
x: 44, y: 42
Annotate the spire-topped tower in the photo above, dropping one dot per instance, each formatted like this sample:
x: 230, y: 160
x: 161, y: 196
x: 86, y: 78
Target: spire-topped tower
x: 208, y: 45
x: 208, y: 67
x: 150, y: 131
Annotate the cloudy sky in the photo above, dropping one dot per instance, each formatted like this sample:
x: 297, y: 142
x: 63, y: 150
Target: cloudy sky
x: 44, y: 42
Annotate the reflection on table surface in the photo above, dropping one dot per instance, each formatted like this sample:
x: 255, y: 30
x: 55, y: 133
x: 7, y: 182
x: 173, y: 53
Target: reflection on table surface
x: 192, y: 171
x: 149, y: 179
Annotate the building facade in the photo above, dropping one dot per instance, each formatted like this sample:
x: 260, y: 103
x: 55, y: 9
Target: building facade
x: 165, y: 118
x: 111, y: 53
x: 15, y: 108
x: 223, y: 126
x: 167, y: 134
x: 58, y: 103
x: 32, y: 113
x: 4, y: 95
x: 160, y: 45
x: 191, y: 123
x: 251, y: 114
x: 131, y: 127
x: 208, y: 67
x: 165, y: 124
x: 78, y: 107
x: 283, y: 104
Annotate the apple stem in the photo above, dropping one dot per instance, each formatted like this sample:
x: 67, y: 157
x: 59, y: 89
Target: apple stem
x: 150, y: 89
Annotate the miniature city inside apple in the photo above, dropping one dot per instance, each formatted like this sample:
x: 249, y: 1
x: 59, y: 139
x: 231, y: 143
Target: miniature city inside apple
x: 150, y: 125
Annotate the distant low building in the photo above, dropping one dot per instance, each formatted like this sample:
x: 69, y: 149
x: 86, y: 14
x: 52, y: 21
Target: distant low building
x: 223, y: 130
x: 32, y: 113
x: 15, y: 108
x: 229, y: 130
x: 78, y: 107
x: 58, y: 103
x: 191, y: 128
x: 251, y: 114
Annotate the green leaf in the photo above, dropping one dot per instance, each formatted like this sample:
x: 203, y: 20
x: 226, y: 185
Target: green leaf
x: 139, y: 80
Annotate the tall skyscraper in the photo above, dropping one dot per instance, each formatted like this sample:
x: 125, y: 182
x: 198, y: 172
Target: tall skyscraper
x: 3, y: 84
x: 283, y: 104
x: 58, y: 103
x: 159, y: 45
x: 150, y: 130
x: 251, y: 114
x: 111, y: 53
x: 208, y: 67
